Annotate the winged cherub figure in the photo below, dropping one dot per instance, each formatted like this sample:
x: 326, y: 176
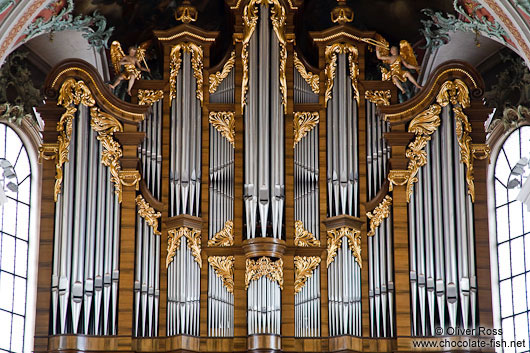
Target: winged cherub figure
x: 405, y: 56
x: 127, y: 66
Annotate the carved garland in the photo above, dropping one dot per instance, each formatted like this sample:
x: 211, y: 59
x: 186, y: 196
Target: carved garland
x: 264, y: 266
x: 149, y: 96
x: 173, y: 243
x: 378, y: 97
x: 312, y: 79
x: 250, y: 20
x: 303, y: 270
x: 379, y: 213
x: 331, y: 67
x: 224, y: 269
x: 224, y: 237
x: 176, y: 62
x: 218, y: 77
x: 335, y: 242
x: 303, y: 123
x: 224, y: 122
x: 303, y: 237
x: 148, y: 213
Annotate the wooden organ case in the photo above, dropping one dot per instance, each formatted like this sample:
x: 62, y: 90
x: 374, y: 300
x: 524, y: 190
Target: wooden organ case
x: 262, y: 204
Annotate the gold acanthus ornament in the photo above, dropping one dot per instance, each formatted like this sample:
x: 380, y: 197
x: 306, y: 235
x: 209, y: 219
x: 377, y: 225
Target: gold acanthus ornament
x: 264, y: 266
x: 71, y: 93
x: 313, y: 80
x: 303, y: 123
x: 148, y: 213
x: 250, y: 20
x: 149, y: 96
x: 224, y: 269
x: 186, y: 13
x: 224, y: 237
x: 175, y: 63
x: 331, y: 67
x: 193, y: 237
x: 378, y: 97
x: 380, y: 213
x: 219, y: 76
x: 341, y: 14
x: 335, y: 242
x: 303, y: 270
x: 224, y: 122
x: 48, y: 151
x: 303, y: 237
x: 130, y: 178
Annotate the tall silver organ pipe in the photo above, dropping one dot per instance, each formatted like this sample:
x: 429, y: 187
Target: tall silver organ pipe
x: 264, y: 307
x: 85, y: 269
x: 150, y: 151
x: 442, y: 254
x: 184, y: 198
x: 302, y: 90
x: 264, y: 187
x: 220, y: 307
x: 225, y: 90
x: 380, y: 252
x: 307, y: 307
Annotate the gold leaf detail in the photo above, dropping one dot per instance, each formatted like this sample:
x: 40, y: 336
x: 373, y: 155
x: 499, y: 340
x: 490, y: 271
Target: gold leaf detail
x: 454, y: 92
x: 149, y: 96
x: 303, y: 270
x: 218, y: 77
x: 378, y: 97
x: 224, y: 122
x: 397, y: 177
x: 264, y: 266
x: 312, y: 79
x: 130, y: 178
x: 463, y: 129
x: 224, y: 237
x: 176, y: 62
x: 335, y: 242
x: 148, y: 213
x: 224, y: 269
x: 303, y: 237
x: 48, y: 151
x: 303, y: 123
x: 331, y: 67
x: 173, y: 243
x: 379, y: 213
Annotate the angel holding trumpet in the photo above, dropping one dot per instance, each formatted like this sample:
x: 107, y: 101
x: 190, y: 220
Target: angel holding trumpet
x: 127, y: 66
x: 397, y: 58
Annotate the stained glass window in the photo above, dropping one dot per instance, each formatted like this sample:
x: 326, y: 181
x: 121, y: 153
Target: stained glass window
x: 15, y: 195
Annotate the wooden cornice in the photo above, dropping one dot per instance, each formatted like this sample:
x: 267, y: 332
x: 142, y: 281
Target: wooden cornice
x: 404, y: 112
x: 343, y: 221
x: 153, y: 202
x: 81, y: 70
x: 383, y: 191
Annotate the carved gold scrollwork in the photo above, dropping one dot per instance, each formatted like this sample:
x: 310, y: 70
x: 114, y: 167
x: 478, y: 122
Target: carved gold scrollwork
x: 148, y: 213
x: 397, y: 177
x: 303, y: 237
x: 250, y: 19
x: 224, y: 122
x: 224, y: 269
x: 186, y: 12
x: 303, y: 123
x: 71, y: 93
x: 224, y: 237
x: 218, y: 77
x: 48, y: 151
x: 481, y: 151
x: 175, y: 63
x: 335, y: 242
x: 264, y: 266
x: 173, y: 243
x: 331, y: 67
x: 379, y: 213
x: 130, y: 178
x: 312, y: 79
x: 303, y: 270
x: 378, y: 97
x: 149, y: 96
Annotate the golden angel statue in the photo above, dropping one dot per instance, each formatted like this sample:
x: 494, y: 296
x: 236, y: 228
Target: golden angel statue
x: 128, y: 67
x: 396, y: 59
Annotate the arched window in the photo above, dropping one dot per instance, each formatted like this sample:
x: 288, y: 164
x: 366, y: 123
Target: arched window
x: 16, y: 239
x: 511, y: 243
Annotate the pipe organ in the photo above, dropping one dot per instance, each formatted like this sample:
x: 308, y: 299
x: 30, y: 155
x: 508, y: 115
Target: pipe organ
x: 261, y: 203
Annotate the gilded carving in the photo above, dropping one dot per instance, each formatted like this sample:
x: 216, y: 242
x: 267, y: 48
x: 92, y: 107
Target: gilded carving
x: 335, y: 242
x: 312, y: 79
x: 378, y: 97
x: 331, y: 67
x: 303, y: 270
x: 481, y: 151
x: 48, y: 151
x: 303, y: 237
x: 303, y: 123
x: 186, y: 13
x: 224, y: 269
x: 224, y: 122
x: 148, y: 213
x: 149, y: 96
x: 218, y: 77
x: 225, y: 237
x: 380, y: 213
x: 176, y: 61
x: 173, y: 243
x: 130, y: 178
x: 397, y: 177
x: 264, y: 266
